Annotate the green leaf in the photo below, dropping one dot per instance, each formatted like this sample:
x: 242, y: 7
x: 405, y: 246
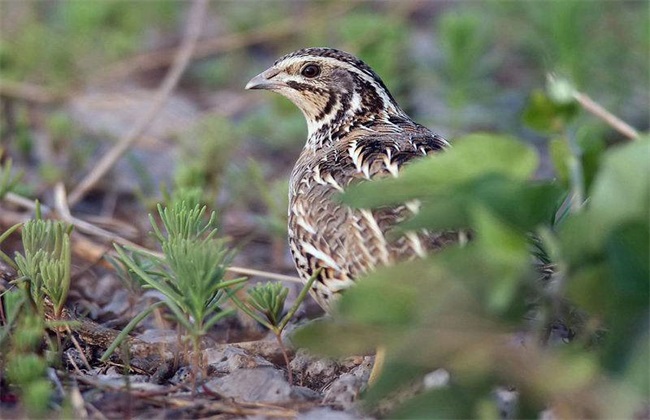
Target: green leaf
x: 546, y: 116
x: 507, y: 251
x: 621, y: 191
x: 268, y: 299
x: 390, y: 296
x: 560, y: 152
x: 343, y: 338
x: 446, y: 403
x: 471, y: 157
x: 524, y: 204
x: 620, y: 194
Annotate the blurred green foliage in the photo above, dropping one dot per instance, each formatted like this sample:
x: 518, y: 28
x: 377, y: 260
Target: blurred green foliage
x: 20, y: 340
x: 53, y: 43
x: 457, y: 308
x: 205, y: 152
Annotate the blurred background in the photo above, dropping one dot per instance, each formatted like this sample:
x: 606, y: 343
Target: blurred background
x: 76, y: 76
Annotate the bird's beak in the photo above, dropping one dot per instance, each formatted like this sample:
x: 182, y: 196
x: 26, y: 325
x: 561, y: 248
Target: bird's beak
x: 265, y: 80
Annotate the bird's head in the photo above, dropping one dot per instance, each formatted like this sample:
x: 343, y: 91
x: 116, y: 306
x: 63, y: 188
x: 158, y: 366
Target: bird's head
x: 331, y: 88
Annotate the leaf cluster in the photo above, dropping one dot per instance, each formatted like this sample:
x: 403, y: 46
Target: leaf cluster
x: 45, y: 266
x: 21, y: 338
x: 190, y: 274
x: 463, y: 307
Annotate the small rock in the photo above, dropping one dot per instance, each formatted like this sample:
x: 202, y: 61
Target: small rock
x: 439, y: 378
x: 506, y: 402
x: 300, y: 361
x: 182, y: 375
x: 263, y: 384
x: 362, y: 371
x: 322, y: 369
x: 344, y: 391
x: 312, y: 371
x: 327, y: 413
x: 232, y: 358
x: 159, y: 336
x: 303, y: 393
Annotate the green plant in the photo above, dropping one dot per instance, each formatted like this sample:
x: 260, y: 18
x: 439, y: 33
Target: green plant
x: 464, y: 42
x: 44, y: 269
x: 265, y: 304
x: 43, y: 273
x: 253, y: 188
x: 190, y: 274
x: 21, y: 337
x: 52, y: 44
x: 206, y: 150
x: 462, y: 307
x: 8, y: 180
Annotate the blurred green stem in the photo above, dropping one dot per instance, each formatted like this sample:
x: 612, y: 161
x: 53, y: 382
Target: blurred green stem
x: 576, y: 176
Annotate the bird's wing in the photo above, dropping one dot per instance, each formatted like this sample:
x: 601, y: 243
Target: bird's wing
x: 344, y: 242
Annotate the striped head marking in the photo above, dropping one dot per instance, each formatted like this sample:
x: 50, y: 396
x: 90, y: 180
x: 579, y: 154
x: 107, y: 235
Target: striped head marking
x: 329, y: 86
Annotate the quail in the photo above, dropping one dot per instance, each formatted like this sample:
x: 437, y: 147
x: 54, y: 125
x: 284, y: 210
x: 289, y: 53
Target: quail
x: 356, y: 132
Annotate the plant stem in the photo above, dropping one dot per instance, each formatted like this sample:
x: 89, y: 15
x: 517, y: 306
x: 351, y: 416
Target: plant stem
x: 278, y: 336
x: 299, y: 299
x: 576, y: 175
x: 612, y: 120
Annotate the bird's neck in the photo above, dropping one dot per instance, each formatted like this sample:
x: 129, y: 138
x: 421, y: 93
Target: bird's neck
x: 350, y: 113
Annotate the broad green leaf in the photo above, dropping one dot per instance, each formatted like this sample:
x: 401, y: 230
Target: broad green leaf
x: 620, y: 194
x: 590, y: 289
x: 389, y: 296
x: 545, y: 115
x: 524, y: 204
x: 398, y: 372
x: 628, y: 259
x: 560, y: 152
x: 626, y: 316
x: 471, y: 157
x: 507, y: 251
x: 446, y: 403
x: 621, y: 191
x: 639, y: 366
x: 343, y: 338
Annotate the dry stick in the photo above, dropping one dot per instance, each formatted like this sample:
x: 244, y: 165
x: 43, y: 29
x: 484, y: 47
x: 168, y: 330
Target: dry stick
x: 29, y: 92
x: 62, y: 209
x: 192, y: 32
x: 611, y: 119
x: 159, y: 59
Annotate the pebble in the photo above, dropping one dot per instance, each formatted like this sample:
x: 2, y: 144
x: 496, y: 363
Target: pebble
x: 263, y: 384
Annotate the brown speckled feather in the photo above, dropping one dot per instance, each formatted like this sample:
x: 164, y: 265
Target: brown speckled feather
x: 356, y: 132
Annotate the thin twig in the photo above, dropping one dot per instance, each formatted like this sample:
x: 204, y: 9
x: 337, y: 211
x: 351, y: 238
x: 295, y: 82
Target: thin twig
x: 29, y: 92
x: 159, y: 59
x: 26, y: 203
x: 221, y: 44
x: 182, y: 58
x: 260, y: 273
x: 63, y: 212
x: 76, y: 344
x: 600, y: 112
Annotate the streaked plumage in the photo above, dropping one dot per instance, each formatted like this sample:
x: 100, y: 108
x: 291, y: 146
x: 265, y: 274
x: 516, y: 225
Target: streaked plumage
x: 356, y: 132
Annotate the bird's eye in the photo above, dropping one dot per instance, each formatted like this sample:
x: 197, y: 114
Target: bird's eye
x: 310, y: 71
